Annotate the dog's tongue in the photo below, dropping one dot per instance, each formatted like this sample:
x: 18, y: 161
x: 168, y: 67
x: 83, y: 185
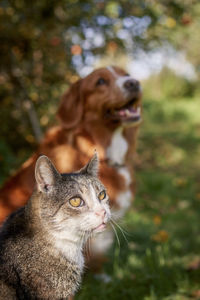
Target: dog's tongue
x: 122, y: 113
x: 129, y: 112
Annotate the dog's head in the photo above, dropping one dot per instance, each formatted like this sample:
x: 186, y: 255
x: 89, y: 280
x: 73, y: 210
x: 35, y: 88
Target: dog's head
x: 107, y: 94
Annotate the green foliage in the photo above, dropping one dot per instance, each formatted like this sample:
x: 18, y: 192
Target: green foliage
x: 6, y: 160
x: 163, y: 224
x: 167, y: 84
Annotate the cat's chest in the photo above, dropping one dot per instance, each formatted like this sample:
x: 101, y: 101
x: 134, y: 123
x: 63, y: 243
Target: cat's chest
x: 117, y: 150
x: 70, y: 251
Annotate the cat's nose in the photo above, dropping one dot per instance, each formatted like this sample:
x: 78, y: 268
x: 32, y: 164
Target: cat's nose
x: 101, y: 213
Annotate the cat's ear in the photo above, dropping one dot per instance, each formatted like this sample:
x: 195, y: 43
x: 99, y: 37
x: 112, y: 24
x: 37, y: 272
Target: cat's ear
x: 45, y: 174
x: 92, y: 166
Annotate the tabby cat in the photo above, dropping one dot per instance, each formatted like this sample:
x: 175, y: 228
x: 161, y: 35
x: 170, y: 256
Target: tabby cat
x: 41, y: 244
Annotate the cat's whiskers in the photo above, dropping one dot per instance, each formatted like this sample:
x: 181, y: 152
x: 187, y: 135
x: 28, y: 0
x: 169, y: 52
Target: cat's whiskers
x: 116, y: 234
x: 118, y: 219
x: 87, y: 247
x: 89, y: 244
x: 82, y: 241
x: 115, y: 214
x: 120, y: 228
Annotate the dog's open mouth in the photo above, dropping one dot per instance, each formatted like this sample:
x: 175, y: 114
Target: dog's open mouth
x: 130, y: 113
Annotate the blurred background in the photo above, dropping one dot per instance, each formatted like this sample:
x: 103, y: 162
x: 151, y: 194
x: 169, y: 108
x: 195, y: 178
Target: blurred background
x: 47, y: 45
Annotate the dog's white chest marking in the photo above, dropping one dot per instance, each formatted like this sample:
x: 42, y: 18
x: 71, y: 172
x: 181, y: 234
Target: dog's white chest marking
x: 117, y: 150
x: 116, y: 153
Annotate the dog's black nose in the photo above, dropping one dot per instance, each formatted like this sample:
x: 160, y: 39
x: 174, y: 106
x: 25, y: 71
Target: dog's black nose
x: 132, y: 85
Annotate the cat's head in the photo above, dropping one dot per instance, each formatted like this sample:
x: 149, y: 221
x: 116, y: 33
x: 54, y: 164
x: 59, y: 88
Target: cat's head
x: 75, y: 202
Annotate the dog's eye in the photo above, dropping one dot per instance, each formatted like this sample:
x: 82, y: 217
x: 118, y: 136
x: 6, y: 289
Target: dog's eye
x: 102, y: 195
x: 101, y: 81
x: 76, y: 202
x: 127, y: 75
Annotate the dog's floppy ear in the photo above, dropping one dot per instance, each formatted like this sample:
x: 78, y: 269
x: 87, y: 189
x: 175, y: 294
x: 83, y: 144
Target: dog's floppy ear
x: 70, y: 110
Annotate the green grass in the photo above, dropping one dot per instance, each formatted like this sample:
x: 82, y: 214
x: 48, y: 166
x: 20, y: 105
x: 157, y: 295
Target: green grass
x: 164, y: 222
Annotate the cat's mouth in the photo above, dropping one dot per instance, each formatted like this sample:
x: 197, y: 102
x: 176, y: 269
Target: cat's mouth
x: 100, y: 227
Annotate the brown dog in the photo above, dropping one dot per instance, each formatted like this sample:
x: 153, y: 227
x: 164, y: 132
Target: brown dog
x: 101, y: 111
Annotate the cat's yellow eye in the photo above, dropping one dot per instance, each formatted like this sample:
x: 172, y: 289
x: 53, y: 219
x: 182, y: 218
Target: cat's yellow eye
x: 75, y: 202
x: 102, y: 195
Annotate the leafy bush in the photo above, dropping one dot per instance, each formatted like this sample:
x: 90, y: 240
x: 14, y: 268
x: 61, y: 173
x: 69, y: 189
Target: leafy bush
x: 167, y: 84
